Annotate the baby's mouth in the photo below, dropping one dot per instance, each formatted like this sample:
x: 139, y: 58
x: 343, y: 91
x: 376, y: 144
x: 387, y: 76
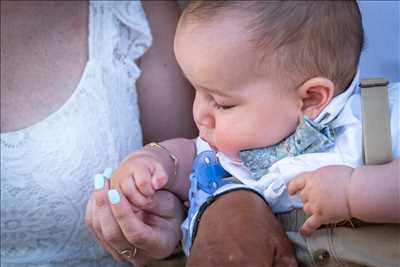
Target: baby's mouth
x: 213, y: 147
x: 210, y: 144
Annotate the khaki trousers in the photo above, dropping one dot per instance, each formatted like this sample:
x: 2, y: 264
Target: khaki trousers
x: 363, y: 245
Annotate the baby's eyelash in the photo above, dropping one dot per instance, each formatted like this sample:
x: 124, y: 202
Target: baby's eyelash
x: 221, y: 107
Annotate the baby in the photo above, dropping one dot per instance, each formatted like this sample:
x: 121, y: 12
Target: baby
x: 275, y: 96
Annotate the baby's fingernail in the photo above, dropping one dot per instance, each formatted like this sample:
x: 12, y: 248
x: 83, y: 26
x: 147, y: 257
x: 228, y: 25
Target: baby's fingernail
x: 114, y: 196
x: 108, y: 172
x: 98, y: 181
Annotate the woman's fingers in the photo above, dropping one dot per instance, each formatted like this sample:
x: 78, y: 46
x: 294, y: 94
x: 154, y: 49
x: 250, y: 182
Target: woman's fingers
x: 165, y: 217
x: 108, y: 230
x: 91, y: 220
x: 149, y: 233
x: 158, y: 238
x: 97, y: 202
x: 102, y: 223
x: 108, y: 248
x: 167, y: 205
x: 88, y: 214
x: 135, y: 231
x: 105, y: 227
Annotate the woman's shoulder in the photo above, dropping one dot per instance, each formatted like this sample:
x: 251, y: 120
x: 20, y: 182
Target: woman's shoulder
x: 119, y: 31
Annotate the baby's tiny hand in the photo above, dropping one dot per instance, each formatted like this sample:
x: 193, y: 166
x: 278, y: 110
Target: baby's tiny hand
x: 324, y: 195
x: 138, y: 177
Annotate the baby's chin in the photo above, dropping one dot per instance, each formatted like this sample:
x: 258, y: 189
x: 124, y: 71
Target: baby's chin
x: 231, y: 155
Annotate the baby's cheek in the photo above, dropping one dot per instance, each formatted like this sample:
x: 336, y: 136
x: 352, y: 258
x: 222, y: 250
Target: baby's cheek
x: 229, y: 145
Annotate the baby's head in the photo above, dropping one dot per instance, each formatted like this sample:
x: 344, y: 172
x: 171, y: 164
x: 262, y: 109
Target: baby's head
x: 258, y: 67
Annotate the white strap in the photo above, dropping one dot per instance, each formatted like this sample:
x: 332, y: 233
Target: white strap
x: 377, y: 143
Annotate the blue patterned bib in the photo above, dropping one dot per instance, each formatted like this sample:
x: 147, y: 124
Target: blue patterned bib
x: 309, y: 137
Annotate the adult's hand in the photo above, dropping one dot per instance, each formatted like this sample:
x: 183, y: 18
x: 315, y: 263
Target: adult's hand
x: 154, y: 232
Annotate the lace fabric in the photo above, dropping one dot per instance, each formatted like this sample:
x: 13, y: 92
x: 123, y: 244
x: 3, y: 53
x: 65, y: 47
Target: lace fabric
x: 47, y: 168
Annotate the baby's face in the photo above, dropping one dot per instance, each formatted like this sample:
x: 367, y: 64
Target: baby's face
x: 237, y: 105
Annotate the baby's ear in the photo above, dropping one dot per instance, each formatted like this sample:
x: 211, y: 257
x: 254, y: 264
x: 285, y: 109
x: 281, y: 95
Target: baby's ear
x: 315, y: 94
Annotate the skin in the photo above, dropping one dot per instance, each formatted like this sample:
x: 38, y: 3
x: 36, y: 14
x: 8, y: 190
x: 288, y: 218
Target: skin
x: 28, y: 96
x: 336, y: 193
x: 228, y: 91
x: 153, y: 230
x: 28, y: 58
x: 170, y: 94
x: 224, y: 92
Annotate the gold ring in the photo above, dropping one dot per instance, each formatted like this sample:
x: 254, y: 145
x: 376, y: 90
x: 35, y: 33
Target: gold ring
x: 129, y: 252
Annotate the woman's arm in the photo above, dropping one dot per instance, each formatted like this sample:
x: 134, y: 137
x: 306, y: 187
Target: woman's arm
x: 165, y: 96
x: 184, y: 150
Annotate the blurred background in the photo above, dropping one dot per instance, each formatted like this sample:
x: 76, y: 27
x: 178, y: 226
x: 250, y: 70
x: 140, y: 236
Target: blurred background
x: 381, y: 55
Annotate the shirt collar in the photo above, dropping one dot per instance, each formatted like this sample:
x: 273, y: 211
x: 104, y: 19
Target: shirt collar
x: 331, y: 111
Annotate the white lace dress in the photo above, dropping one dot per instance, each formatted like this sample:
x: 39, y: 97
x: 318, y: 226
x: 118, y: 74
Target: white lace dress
x: 47, y: 168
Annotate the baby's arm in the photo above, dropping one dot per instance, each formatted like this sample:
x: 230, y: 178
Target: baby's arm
x: 335, y: 193
x: 374, y: 193
x: 184, y: 150
x: 153, y: 168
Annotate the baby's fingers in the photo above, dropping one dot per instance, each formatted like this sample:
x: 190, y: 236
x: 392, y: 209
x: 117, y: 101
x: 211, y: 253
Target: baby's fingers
x: 143, y: 177
x: 159, y: 178
x: 131, y: 192
x: 296, y: 184
x: 310, y: 225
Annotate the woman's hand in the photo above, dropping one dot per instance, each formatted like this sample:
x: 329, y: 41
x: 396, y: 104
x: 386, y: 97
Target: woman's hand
x: 154, y: 231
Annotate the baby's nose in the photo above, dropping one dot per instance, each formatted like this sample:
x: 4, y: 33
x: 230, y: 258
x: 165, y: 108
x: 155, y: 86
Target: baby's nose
x: 203, y: 116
